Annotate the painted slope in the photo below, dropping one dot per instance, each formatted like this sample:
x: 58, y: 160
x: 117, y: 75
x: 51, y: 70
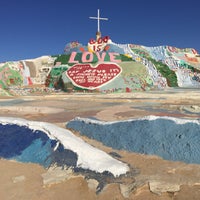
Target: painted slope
x: 143, y: 68
x: 170, y: 138
x: 47, y: 144
x: 137, y: 73
x: 184, y: 62
x: 162, y: 66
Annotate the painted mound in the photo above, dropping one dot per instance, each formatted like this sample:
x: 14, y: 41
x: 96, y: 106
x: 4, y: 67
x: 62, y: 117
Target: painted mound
x: 49, y: 145
x: 103, y: 66
x: 170, y: 138
x: 142, y: 68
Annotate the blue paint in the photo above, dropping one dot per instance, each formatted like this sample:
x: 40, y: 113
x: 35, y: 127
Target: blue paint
x: 26, y: 145
x: 11, y: 102
x: 115, y: 48
x: 162, y: 137
x: 64, y: 156
x: 14, y: 139
x: 36, y: 152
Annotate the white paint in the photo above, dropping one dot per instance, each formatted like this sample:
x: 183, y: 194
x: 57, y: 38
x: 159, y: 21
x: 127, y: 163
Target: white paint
x: 149, y: 118
x: 89, y: 157
x: 98, y: 18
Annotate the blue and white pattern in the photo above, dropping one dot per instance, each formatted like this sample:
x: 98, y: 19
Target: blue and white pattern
x: 170, y: 138
x: 47, y: 144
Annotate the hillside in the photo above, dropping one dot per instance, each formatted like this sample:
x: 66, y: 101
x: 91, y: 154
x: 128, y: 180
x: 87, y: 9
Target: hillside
x: 113, y: 68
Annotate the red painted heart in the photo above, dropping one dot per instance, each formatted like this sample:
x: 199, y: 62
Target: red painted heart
x: 89, y: 77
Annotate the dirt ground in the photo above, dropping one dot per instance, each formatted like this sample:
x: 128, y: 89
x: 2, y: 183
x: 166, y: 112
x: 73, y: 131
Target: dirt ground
x: 155, y: 179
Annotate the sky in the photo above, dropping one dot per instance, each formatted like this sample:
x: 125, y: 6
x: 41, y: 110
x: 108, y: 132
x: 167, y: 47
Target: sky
x: 33, y: 28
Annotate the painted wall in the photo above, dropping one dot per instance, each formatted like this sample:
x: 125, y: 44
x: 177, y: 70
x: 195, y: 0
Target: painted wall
x: 185, y: 63
x: 25, y: 72
x: 105, y: 67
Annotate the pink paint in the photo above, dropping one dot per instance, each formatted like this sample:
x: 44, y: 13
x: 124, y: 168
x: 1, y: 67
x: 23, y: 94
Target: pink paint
x: 101, y: 57
x: 88, y: 57
x: 113, y: 57
x: 72, y: 58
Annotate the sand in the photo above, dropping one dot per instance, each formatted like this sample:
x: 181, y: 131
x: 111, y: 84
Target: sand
x: 156, y: 178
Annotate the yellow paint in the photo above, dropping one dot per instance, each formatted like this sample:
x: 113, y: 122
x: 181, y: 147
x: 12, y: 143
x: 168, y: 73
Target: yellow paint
x: 128, y: 55
x: 138, y: 59
x: 90, y: 50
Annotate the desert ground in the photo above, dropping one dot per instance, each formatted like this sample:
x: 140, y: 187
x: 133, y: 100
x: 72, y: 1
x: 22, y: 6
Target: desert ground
x: 155, y: 178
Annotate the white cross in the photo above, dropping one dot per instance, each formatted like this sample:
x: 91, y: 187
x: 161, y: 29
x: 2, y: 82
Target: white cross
x: 98, y: 20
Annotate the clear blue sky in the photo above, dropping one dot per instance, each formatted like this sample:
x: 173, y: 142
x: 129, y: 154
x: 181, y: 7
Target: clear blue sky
x: 32, y: 28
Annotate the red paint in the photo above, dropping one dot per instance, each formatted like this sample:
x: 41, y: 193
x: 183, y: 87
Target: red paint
x: 100, y: 40
x: 128, y: 89
x: 87, y: 76
x: 99, y: 44
x: 29, y: 81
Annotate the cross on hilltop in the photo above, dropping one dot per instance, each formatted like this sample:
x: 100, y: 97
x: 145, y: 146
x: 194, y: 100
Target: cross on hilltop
x: 98, y: 18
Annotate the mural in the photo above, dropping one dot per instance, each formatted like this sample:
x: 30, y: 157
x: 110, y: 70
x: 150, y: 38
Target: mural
x: 101, y: 44
x: 184, y: 62
x: 103, y: 66
x: 14, y: 76
x: 89, y: 77
x: 11, y: 74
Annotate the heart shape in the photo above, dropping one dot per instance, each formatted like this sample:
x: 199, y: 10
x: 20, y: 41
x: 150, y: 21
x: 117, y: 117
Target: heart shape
x: 90, y: 77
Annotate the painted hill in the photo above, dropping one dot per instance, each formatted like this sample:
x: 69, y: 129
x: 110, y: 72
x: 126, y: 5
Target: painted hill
x: 103, y: 66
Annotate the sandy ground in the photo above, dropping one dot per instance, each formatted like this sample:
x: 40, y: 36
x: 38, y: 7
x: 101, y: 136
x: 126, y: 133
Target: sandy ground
x: 155, y: 179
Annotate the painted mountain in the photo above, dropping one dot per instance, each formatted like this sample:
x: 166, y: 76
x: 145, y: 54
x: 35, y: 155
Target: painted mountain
x: 103, y: 66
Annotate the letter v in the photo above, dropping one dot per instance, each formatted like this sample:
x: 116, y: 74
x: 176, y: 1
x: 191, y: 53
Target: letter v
x: 101, y: 57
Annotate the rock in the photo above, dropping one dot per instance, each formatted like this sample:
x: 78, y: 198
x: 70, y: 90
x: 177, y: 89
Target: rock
x: 18, y: 179
x: 159, y: 187
x: 56, y: 175
x: 92, y: 184
x: 196, y: 108
x: 126, y: 189
x: 191, y: 109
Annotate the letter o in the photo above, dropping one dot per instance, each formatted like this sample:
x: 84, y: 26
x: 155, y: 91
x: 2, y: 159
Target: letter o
x: 92, y: 41
x: 99, y: 41
x: 105, y: 39
x: 85, y: 55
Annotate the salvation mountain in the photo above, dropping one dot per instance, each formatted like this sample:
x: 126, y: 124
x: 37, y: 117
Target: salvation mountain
x: 104, y: 66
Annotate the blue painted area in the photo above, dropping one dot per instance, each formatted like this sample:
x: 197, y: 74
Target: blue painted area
x: 64, y: 156
x: 115, y: 48
x: 162, y: 137
x: 36, y: 152
x: 157, y: 53
x: 11, y: 102
x: 25, y: 145
x: 14, y: 139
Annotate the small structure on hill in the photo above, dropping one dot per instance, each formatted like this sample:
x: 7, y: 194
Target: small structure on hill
x: 98, y: 18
